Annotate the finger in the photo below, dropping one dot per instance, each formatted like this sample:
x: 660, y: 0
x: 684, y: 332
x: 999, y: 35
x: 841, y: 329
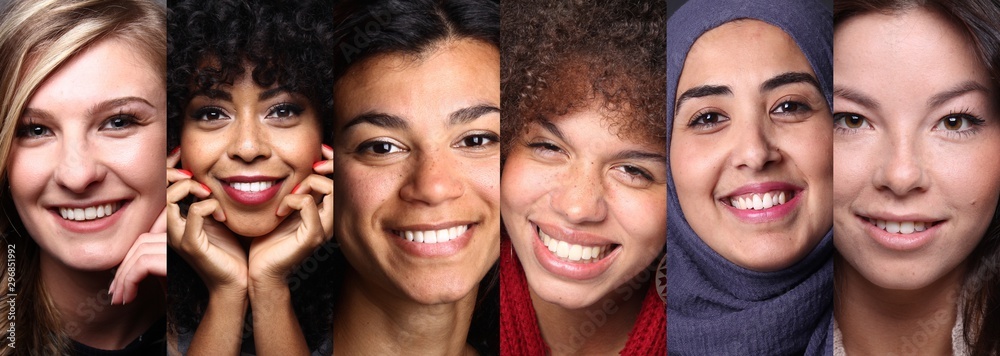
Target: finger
x: 175, y: 174
x: 182, y: 188
x: 150, y: 259
x: 314, y: 183
x: 308, y: 214
x: 327, y: 151
x: 174, y: 157
x: 144, y: 244
x: 323, y: 167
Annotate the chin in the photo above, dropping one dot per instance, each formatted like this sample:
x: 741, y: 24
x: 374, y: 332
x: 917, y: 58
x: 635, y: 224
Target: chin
x: 431, y: 292
x: 252, y: 227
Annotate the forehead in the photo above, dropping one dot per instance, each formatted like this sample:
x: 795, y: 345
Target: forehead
x: 741, y: 51
x: 455, y: 74
x: 876, y: 50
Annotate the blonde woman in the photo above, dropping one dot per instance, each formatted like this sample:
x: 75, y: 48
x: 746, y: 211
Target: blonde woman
x: 82, y: 149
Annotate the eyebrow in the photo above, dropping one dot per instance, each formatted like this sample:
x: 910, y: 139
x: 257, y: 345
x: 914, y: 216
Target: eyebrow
x: 640, y: 155
x: 389, y: 121
x: 100, y: 107
x: 789, y: 78
x: 857, y: 97
x: 225, y: 95
x: 551, y: 128
x: 957, y: 91
x: 702, y: 91
x: 768, y: 85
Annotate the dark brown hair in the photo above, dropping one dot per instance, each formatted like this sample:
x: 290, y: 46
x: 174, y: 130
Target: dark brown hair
x: 563, y: 56
x: 981, y: 21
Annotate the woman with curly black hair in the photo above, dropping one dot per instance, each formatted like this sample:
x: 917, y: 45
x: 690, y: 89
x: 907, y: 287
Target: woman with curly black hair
x: 584, y: 182
x: 248, y: 97
x: 417, y: 125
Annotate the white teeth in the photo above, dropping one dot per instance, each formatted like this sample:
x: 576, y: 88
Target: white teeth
x: 251, y: 187
x: 573, y: 252
x: 759, y: 201
x: 900, y: 227
x: 433, y: 236
x: 90, y: 212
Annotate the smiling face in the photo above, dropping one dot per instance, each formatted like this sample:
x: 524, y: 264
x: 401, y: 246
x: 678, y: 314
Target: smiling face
x: 86, y: 165
x: 250, y: 145
x: 751, y: 148
x: 571, y: 190
x: 916, y: 169
x: 417, y: 170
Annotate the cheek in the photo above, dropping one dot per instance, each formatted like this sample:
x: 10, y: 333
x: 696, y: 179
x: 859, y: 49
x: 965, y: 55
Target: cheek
x: 298, y: 148
x: 27, y: 178
x: 851, y: 170
x: 643, y: 216
x: 363, y: 190
x: 970, y: 179
x: 200, y: 150
x: 523, y: 182
x: 695, y: 170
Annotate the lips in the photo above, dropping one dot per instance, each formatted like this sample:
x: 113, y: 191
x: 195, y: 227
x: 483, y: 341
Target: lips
x: 574, y: 252
x: 251, y: 190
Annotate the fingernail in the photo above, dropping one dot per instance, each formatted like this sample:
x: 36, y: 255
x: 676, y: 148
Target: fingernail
x: 206, y: 187
x: 295, y: 188
x: 327, y: 147
x: 175, y: 150
x: 186, y: 172
x: 318, y: 163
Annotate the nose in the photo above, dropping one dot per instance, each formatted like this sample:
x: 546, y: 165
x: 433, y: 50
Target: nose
x: 80, y: 166
x: 902, y: 171
x: 434, y: 180
x: 754, y: 148
x: 249, y: 141
x: 580, y: 198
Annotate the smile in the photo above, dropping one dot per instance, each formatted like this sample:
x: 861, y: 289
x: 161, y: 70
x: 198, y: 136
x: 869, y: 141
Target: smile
x: 432, y: 236
x: 757, y: 201
x: 251, y: 187
x: 573, y: 252
x: 89, y: 213
x: 901, y: 227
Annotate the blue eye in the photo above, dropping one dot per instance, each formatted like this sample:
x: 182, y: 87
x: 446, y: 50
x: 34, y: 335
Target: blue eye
x: 33, y: 131
x: 119, y: 122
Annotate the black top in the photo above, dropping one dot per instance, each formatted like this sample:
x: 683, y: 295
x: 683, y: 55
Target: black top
x: 151, y: 342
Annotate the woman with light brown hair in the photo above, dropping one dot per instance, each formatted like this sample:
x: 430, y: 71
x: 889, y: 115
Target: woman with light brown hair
x: 82, y: 147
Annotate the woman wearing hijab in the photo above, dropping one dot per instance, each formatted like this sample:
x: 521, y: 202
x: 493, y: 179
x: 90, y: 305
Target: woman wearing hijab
x: 749, y: 247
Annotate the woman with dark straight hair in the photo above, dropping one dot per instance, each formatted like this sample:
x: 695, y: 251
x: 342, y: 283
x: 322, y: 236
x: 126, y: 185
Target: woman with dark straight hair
x: 916, y: 218
x: 416, y: 129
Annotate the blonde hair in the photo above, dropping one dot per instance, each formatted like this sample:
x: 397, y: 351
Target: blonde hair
x: 36, y: 38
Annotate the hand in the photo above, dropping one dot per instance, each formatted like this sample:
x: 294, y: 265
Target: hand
x: 307, y: 225
x: 147, y: 256
x: 200, y: 238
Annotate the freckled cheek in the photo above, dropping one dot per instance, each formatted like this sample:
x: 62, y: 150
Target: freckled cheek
x: 364, y: 191
x: 524, y: 183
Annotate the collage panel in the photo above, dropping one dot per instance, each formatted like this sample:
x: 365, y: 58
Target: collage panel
x: 916, y: 133
x: 583, y: 184
x: 417, y: 173
x: 750, y: 242
x: 250, y: 201
x: 82, y: 140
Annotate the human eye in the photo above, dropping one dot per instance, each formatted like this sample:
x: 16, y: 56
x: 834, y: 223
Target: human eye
x: 545, y: 148
x: 284, y: 111
x: 849, y: 122
x: 478, y: 139
x: 791, y: 107
x: 706, y: 120
x: 120, y: 121
x: 960, y: 123
x: 32, y: 131
x: 209, y: 113
x: 378, y: 147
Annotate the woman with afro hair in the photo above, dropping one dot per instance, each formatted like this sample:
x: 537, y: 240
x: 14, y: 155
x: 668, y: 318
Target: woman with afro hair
x: 249, y: 204
x: 584, y: 177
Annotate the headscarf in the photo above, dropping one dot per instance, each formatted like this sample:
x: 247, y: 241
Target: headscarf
x: 715, y: 307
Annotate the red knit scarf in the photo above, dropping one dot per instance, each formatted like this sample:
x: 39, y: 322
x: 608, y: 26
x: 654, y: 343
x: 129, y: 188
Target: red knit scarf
x: 519, y: 332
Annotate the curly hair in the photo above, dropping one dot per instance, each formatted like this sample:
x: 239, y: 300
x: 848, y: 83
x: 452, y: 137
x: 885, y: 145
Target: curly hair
x: 563, y: 56
x: 285, y: 43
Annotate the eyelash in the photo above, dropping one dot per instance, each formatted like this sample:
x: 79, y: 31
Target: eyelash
x: 368, y: 147
x: 491, y: 137
x: 974, y: 122
x: 25, y: 131
x: 202, y: 114
x: 293, y: 110
x: 698, y: 121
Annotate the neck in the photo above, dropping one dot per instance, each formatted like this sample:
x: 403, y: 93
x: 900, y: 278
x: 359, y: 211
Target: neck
x: 374, y: 321
x: 599, y: 329
x: 880, y: 321
x: 85, y: 309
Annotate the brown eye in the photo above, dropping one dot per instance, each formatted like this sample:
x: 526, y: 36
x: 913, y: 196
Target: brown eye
x: 850, y: 121
x: 952, y: 123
